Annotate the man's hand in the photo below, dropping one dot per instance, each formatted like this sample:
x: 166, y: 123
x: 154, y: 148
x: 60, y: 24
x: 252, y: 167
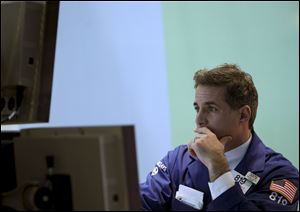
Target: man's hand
x: 210, y: 151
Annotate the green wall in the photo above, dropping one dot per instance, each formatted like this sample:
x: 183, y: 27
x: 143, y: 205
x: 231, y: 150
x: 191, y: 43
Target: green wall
x: 261, y: 37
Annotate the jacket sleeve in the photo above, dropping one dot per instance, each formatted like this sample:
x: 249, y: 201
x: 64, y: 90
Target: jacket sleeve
x: 261, y: 198
x: 156, y: 192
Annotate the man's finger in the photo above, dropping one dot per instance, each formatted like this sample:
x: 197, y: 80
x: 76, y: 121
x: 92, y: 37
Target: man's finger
x: 225, y: 139
x: 191, y: 151
x: 202, y: 130
x: 198, y: 135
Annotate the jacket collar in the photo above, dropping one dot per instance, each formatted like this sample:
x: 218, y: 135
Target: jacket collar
x: 254, y: 159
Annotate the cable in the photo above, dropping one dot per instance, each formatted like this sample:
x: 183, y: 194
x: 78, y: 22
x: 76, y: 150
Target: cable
x: 9, y: 117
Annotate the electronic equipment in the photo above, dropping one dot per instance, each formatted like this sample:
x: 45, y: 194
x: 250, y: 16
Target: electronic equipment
x: 60, y: 168
x: 78, y: 168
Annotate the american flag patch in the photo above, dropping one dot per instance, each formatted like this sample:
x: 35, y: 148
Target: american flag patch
x: 285, y: 188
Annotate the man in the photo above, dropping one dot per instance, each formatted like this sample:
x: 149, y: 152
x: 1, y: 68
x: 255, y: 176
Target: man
x: 226, y: 166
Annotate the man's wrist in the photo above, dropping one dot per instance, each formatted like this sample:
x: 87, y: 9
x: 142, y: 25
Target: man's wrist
x: 218, y: 168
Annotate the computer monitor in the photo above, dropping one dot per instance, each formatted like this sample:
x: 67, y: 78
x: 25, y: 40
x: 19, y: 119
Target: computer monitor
x: 75, y: 168
x: 28, y: 40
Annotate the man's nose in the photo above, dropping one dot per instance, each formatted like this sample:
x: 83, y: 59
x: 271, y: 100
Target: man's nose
x: 201, y: 120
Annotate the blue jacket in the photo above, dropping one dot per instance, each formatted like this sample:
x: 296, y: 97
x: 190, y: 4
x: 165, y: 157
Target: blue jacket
x: 179, y: 167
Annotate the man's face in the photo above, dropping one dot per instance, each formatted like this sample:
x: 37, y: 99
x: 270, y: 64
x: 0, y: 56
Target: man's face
x: 214, y: 112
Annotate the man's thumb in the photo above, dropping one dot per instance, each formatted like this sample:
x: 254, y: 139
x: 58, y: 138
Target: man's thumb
x: 225, y: 139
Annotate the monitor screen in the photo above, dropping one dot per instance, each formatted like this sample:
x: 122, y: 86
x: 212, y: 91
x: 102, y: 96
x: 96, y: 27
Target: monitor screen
x: 28, y: 40
x: 77, y: 168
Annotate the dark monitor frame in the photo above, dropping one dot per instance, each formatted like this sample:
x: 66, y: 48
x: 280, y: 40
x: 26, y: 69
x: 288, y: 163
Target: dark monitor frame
x: 27, y: 61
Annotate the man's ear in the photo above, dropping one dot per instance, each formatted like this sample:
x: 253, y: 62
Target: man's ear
x: 245, y: 112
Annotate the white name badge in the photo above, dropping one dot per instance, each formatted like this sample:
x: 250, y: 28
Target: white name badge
x: 242, y: 180
x: 190, y: 196
x: 252, y: 177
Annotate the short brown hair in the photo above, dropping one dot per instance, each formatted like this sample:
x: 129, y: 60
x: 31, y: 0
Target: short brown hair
x: 240, y: 89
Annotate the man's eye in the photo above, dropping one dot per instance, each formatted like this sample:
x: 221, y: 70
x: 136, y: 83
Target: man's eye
x: 212, y: 109
x: 197, y: 109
